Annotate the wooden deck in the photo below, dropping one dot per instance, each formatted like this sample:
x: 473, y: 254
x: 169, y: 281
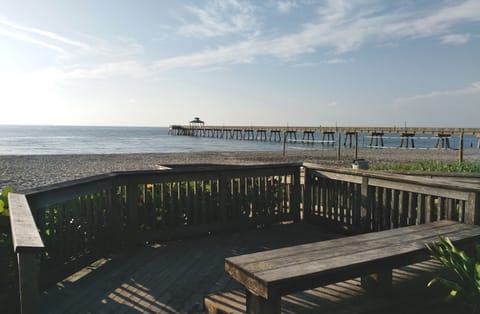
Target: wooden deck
x: 167, y: 278
x: 175, y: 277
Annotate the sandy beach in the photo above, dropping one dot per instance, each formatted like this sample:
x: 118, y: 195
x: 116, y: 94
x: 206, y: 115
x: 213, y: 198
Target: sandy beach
x: 28, y: 171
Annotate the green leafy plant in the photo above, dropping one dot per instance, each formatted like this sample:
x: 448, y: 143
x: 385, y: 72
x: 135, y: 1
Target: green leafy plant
x: 4, y: 201
x: 466, y: 269
x: 470, y: 167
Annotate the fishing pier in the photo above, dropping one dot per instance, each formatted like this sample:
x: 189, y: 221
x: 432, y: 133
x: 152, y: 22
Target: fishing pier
x: 326, y: 135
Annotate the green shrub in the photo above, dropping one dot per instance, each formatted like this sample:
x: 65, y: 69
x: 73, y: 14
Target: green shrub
x: 470, y: 167
x: 466, y: 269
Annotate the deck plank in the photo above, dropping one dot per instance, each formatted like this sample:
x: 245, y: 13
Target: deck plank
x: 170, y: 277
x: 175, y: 277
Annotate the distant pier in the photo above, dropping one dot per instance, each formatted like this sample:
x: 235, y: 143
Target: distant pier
x: 329, y: 135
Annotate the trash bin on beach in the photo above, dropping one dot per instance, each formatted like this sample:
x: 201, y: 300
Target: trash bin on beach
x: 360, y: 164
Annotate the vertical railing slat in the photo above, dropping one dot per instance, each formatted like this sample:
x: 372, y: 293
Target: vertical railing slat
x: 296, y: 196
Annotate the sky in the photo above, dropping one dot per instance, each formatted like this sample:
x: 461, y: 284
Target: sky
x: 235, y: 62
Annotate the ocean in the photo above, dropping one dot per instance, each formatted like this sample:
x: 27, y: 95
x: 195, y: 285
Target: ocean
x: 42, y: 140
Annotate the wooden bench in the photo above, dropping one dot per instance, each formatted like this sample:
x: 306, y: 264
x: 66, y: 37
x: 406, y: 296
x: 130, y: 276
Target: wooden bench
x: 269, y: 275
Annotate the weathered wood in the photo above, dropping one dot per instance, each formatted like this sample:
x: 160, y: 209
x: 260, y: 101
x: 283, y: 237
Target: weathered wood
x: 324, y: 204
x: 28, y: 272
x: 256, y: 304
x: 430, y: 209
x: 26, y: 244
x: 396, y: 209
x: 306, y: 266
x: 310, y: 191
x: 334, y: 194
x: 403, y: 208
x: 132, y: 211
x: 409, y: 183
x: 347, y: 297
x: 196, y: 203
x: 421, y: 209
x: 365, y: 204
x: 416, y: 188
x: 24, y: 230
x: 343, y: 201
x: 387, y: 218
x: 338, y: 247
x: 378, y: 209
x: 354, y: 202
x: 472, y: 209
x: 412, y: 208
x: 441, y: 208
x: 295, y: 197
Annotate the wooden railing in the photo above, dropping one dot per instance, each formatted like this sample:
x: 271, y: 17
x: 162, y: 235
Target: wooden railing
x: 364, y: 201
x: 61, y: 228
x: 76, y: 222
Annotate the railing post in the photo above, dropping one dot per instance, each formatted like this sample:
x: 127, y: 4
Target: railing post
x: 307, y: 194
x: 115, y: 214
x: 296, y: 195
x: 28, y: 273
x: 365, y: 206
x: 471, y: 209
x: 132, y: 212
x: 222, y: 190
x: 27, y: 244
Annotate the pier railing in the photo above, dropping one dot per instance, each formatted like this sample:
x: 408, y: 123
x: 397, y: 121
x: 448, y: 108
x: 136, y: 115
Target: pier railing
x: 61, y: 228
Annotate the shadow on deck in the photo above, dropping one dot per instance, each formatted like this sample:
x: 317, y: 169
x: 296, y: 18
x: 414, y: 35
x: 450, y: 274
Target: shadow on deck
x: 176, y: 276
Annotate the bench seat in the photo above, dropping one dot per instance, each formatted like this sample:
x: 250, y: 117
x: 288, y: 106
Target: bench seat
x: 269, y: 275
x: 349, y: 297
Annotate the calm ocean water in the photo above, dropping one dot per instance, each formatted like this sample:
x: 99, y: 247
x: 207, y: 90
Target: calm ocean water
x: 34, y: 140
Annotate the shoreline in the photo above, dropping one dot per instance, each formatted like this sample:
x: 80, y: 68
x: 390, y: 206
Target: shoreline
x: 30, y: 171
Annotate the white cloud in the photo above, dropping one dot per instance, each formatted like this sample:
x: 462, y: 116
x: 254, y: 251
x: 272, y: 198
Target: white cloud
x: 339, y: 61
x: 286, y: 6
x: 323, y: 62
x: 45, y: 35
x: 243, y: 52
x: 29, y: 39
x: 340, y: 26
x: 69, y: 47
x: 219, y: 18
x: 455, y: 39
x: 131, y: 69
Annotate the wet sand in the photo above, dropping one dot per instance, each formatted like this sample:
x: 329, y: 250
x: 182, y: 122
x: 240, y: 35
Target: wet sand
x: 28, y: 171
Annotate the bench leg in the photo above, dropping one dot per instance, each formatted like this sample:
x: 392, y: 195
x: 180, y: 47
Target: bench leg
x: 380, y: 282
x: 256, y: 304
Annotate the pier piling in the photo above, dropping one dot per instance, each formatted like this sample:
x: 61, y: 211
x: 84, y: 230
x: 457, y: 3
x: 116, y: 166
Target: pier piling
x: 378, y: 137
x: 349, y: 136
x: 404, y: 137
x: 330, y: 135
x: 443, y: 141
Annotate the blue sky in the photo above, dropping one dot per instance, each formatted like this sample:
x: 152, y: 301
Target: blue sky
x: 156, y: 63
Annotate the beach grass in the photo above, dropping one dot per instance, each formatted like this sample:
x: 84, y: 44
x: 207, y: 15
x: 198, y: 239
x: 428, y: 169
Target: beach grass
x: 433, y: 166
